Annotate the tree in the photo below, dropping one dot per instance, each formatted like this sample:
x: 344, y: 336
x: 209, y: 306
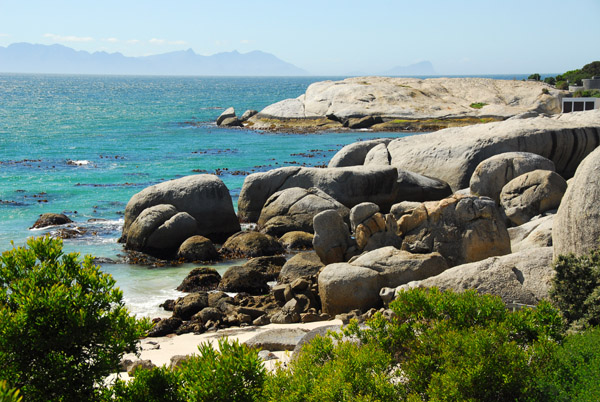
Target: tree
x: 534, y: 77
x: 63, y: 323
x: 550, y: 80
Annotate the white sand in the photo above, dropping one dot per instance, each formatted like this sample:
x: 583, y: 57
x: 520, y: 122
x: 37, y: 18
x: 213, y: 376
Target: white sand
x: 160, y: 350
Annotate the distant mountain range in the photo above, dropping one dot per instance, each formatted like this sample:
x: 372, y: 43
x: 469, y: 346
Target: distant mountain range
x: 30, y: 58
x: 422, y: 68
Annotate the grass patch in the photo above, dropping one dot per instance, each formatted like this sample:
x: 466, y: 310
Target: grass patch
x: 477, y: 105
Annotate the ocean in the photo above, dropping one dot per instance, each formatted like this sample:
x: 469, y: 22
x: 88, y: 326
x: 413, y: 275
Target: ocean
x: 83, y: 145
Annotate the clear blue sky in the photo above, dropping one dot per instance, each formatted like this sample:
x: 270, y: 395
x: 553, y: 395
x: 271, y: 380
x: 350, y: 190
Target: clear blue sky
x: 326, y: 37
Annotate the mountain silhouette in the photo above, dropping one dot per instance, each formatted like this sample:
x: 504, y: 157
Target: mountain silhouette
x: 59, y: 59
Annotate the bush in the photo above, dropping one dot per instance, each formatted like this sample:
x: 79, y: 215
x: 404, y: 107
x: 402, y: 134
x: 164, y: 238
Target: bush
x: 158, y: 384
x: 575, y: 371
x: 534, y: 77
x: 562, y: 85
x: 576, y: 288
x: 477, y: 105
x: 327, y: 371
x: 233, y: 373
x: 550, y: 80
x: 64, y: 325
x: 465, y: 346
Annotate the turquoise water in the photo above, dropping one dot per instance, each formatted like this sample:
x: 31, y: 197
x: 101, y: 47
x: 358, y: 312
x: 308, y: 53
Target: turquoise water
x: 83, y: 145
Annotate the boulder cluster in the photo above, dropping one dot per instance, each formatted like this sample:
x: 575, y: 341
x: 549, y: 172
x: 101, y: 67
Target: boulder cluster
x: 476, y: 207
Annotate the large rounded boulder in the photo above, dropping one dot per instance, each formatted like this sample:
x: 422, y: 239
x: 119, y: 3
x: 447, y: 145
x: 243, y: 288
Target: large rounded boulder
x: 204, y: 197
x: 577, y: 222
x: 491, y: 175
x: 293, y: 209
x: 531, y: 194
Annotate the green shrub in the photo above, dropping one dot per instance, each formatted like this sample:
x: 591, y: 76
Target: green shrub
x: 550, y: 80
x: 233, y: 373
x: 327, y: 371
x: 64, y: 325
x: 465, y: 346
x: 477, y: 105
x: 158, y: 384
x: 576, y: 288
x: 584, y: 93
x: 534, y: 77
x: 575, y: 371
x: 562, y: 85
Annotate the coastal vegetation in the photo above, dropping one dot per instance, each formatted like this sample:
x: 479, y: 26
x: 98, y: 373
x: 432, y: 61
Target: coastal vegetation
x: 477, y: 105
x: 572, y: 77
x: 65, y: 328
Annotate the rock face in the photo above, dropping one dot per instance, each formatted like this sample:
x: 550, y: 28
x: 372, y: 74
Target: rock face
x: 381, y: 185
x: 494, y: 173
x: 247, y: 279
x: 523, y: 277
x: 347, y: 286
x: 332, y: 237
x: 462, y: 229
x: 576, y: 226
x: 228, y: 119
x: 297, y: 240
x: 453, y: 154
x: 204, y: 197
x: 293, y: 209
x: 50, y: 219
x: 530, y: 194
x: 250, y: 244
x: 413, y: 98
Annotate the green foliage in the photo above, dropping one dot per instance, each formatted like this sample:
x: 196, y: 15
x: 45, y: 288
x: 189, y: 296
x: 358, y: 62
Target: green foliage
x: 545, y: 91
x: 465, y: 346
x: 576, y: 288
x: 550, y: 80
x: 562, y: 85
x: 64, y: 324
x: 330, y: 372
x: 477, y: 105
x: 8, y: 394
x: 158, y: 384
x: 534, y: 77
x: 587, y: 71
x: 233, y: 373
x: 592, y: 93
x: 574, y: 374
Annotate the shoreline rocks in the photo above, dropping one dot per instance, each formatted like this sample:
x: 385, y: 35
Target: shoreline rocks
x: 391, y: 104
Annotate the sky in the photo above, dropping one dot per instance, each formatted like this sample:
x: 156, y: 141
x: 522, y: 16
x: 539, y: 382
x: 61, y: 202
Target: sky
x: 326, y: 37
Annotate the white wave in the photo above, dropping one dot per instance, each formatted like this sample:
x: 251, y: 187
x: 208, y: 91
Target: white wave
x: 78, y: 163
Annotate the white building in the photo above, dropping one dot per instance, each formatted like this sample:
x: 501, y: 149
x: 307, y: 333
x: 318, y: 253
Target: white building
x: 579, y: 104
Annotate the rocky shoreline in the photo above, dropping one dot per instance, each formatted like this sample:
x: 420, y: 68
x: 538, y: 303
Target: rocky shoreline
x: 401, y: 104
x: 486, y: 207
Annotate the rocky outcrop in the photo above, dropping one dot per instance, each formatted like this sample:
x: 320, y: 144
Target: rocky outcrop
x: 576, y: 226
x: 523, y: 277
x: 250, y: 244
x: 293, y: 209
x: 494, y: 173
x: 347, y: 286
x: 453, y: 154
x: 50, y: 219
x: 462, y: 229
x: 253, y: 276
x: 228, y: 119
x: 404, y: 99
x: 204, y: 197
x: 531, y: 194
x: 381, y: 185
